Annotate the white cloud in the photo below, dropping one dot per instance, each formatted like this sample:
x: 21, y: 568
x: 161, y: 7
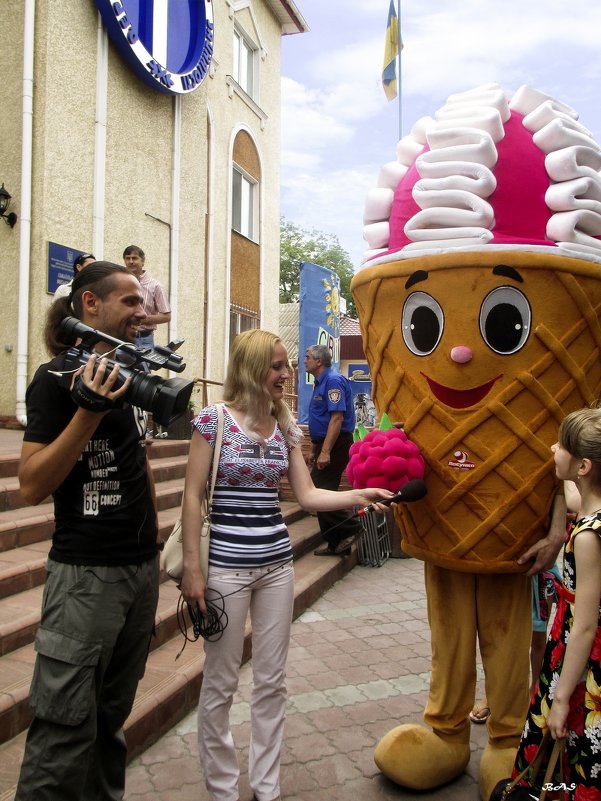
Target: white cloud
x: 462, y: 45
x: 308, y: 122
x: 309, y: 131
x: 331, y: 201
x: 338, y: 129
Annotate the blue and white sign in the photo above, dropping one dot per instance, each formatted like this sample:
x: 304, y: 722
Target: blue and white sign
x: 60, y: 265
x: 168, y: 43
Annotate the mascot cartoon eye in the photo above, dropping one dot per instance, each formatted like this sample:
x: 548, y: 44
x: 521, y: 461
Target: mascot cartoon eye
x: 422, y: 323
x: 505, y: 319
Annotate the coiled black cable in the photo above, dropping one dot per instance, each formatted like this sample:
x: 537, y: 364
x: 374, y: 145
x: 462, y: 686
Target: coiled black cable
x: 212, y: 625
x: 209, y: 626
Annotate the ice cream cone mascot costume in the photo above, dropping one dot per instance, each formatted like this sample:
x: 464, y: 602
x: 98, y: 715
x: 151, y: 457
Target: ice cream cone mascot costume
x: 479, y: 304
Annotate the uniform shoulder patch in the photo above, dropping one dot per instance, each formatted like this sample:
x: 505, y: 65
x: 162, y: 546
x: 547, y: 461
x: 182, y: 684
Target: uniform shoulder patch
x: 334, y: 395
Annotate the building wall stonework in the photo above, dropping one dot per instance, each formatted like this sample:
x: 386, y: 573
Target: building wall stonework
x: 102, y: 187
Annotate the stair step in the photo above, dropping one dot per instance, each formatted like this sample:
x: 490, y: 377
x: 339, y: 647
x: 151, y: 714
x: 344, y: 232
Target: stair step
x: 168, y: 460
x: 24, y: 526
x: 16, y: 670
x: 170, y: 687
x: 166, y: 468
x: 11, y: 755
x: 19, y: 618
x: 20, y: 612
x: 167, y: 448
x: 169, y: 494
x: 171, y: 684
x: 17, y: 634
x: 10, y: 495
x: 9, y: 465
x: 25, y: 567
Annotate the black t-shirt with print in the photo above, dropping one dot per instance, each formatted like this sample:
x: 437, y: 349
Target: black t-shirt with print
x: 103, y: 510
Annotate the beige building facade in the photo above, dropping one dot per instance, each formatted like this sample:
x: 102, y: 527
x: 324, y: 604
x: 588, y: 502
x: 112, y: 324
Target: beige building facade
x: 95, y: 160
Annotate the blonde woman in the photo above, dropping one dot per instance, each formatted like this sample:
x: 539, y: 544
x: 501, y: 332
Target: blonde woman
x: 250, y: 557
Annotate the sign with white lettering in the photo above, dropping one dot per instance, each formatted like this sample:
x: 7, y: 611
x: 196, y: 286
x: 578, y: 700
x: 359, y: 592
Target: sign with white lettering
x: 168, y: 43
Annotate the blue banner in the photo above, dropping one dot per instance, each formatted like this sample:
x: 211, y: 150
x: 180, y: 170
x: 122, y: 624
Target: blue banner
x: 319, y: 324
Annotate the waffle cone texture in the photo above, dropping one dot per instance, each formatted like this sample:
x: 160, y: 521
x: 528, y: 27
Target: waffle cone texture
x: 485, y: 424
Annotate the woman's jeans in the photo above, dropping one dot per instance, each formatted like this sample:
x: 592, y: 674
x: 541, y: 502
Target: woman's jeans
x: 270, y: 599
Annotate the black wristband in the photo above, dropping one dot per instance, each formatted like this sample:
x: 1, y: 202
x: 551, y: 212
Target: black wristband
x: 89, y: 400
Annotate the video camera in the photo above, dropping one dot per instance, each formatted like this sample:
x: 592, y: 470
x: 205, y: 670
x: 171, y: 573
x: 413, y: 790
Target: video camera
x: 165, y: 398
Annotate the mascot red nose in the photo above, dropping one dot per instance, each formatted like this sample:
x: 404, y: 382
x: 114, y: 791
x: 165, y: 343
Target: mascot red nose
x: 479, y: 305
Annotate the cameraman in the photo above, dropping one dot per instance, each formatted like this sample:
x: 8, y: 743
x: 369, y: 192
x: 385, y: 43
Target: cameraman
x: 88, y: 450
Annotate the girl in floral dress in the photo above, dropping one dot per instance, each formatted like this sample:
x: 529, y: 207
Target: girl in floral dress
x: 567, y: 700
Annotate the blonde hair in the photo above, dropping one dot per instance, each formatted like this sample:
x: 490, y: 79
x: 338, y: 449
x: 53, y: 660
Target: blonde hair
x: 245, y: 389
x: 580, y: 435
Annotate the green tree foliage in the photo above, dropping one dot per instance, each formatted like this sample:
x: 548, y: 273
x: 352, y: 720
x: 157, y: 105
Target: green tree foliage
x: 298, y: 245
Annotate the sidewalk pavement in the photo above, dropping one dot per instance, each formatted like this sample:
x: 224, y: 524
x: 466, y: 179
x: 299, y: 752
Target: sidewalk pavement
x: 358, y: 666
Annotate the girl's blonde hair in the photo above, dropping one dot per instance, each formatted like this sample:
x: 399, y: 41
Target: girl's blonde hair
x: 580, y: 435
x: 245, y: 388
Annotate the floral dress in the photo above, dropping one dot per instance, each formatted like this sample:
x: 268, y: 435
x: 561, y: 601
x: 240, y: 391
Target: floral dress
x: 582, y: 756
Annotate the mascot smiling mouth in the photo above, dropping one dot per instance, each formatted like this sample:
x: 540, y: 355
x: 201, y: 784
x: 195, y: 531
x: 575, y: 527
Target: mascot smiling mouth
x: 460, y: 398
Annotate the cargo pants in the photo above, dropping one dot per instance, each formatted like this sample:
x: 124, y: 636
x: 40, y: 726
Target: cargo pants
x: 91, y: 646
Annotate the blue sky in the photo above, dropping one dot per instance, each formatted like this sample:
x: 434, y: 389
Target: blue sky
x: 338, y: 129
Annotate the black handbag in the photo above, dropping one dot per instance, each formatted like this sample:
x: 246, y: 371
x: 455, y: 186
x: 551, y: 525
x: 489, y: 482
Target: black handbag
x: 512, y: 790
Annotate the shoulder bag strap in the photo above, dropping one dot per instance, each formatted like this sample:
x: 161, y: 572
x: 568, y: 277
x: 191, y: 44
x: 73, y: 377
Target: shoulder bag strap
x: 556, y: 755
x: 531, y: 771
x: 216, y: 451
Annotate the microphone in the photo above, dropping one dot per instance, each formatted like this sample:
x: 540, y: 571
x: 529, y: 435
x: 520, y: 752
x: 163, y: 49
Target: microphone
x: 411, y: 491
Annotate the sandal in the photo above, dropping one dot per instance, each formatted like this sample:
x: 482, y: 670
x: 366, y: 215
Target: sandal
x: 344, y: 546
x: 479, y: 714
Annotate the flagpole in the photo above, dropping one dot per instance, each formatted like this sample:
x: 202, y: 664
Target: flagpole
x: 400, y: 82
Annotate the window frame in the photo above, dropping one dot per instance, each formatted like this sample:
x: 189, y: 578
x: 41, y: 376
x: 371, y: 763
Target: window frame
x: 245, y: 62
x: 242, y: 319
x: 245, y: 203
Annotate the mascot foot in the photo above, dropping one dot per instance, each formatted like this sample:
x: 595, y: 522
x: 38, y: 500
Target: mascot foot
x: 418, y: 759
x: 495, y: 764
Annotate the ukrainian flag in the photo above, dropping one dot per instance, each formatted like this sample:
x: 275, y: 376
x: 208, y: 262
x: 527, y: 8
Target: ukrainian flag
x: 391, y: 51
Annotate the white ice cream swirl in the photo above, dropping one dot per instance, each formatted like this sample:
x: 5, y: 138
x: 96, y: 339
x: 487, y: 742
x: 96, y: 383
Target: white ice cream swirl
x: 456, y: 175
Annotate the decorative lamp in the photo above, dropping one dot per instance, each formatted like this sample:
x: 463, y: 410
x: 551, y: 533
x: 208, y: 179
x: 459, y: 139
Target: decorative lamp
x: 5, y: 198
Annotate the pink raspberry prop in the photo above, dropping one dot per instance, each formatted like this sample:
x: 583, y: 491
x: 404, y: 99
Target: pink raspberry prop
x: 385, y: 459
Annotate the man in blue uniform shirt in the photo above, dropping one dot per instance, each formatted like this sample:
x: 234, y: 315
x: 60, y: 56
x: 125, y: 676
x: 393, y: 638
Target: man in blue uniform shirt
x: 331, y: 426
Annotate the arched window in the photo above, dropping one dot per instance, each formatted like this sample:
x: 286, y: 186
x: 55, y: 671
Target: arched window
x: 245, y: 263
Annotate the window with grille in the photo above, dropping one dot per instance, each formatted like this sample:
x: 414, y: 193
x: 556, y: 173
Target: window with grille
x: 242, y: 319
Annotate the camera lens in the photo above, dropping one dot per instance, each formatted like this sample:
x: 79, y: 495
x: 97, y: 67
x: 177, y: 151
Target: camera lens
x: 165, y: 398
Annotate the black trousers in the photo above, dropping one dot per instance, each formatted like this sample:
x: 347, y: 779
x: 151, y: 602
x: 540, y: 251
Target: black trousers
x: 329, y: 478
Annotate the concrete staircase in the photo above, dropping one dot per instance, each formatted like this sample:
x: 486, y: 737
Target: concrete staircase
x: 171, y: 685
